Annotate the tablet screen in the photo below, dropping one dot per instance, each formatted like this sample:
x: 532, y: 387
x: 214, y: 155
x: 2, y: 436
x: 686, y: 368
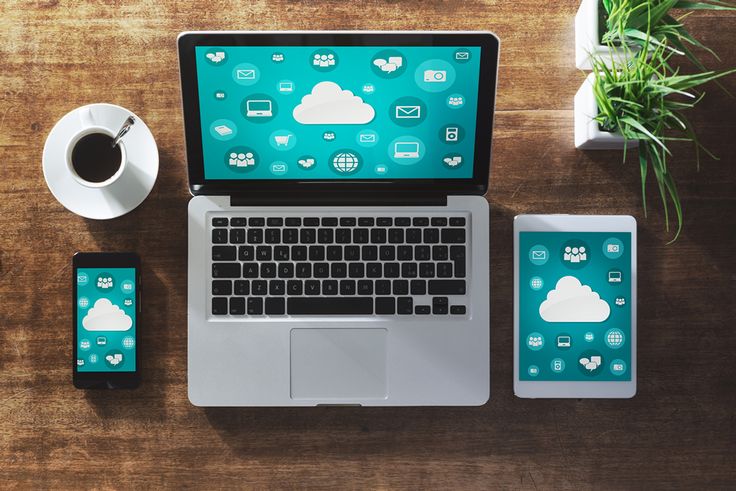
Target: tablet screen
x: 575, y: 306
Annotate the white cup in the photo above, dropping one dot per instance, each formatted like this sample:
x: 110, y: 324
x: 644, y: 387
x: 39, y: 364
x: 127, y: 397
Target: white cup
x: 70, y: 148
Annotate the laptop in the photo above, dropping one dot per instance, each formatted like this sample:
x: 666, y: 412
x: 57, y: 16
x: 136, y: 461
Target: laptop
x: 338, y: 234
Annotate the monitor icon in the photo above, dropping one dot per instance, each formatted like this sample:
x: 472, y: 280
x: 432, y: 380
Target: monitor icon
x: 614, y: 276
x: 258, y: 108
x: 406, y: 150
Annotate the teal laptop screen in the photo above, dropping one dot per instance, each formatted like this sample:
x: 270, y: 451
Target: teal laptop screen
x: 575, y: 306
x: 106, y: 323
x: 340, y: 112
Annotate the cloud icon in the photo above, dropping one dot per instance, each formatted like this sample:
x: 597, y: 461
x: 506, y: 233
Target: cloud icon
x: 571, y: 301
x: 105, y: 316
x: 329, y: 104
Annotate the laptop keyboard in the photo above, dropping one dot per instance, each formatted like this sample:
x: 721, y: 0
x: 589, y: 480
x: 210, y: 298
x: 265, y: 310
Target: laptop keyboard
x: 339, y: 265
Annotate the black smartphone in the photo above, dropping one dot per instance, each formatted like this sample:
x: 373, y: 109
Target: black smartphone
x: 106, y: 320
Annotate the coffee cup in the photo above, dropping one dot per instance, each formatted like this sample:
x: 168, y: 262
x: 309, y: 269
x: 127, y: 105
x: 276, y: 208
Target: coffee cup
x: 92, y: 160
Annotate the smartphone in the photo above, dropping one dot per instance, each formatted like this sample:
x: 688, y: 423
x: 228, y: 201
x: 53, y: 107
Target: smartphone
x: 106, y: 320
x: 574, y: 306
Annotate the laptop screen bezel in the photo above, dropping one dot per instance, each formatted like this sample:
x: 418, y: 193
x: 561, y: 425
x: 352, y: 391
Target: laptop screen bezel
x: 477, y: 184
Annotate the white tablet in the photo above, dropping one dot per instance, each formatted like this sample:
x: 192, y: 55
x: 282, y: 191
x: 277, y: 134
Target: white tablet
x: 574, y: 306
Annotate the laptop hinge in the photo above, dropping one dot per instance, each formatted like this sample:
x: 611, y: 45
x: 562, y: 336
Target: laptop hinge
x: 338, y: 199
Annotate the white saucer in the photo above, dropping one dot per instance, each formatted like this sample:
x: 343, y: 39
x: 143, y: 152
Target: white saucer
x: 121, y: 196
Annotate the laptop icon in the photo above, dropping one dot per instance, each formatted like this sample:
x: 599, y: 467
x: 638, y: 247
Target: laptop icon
x: 258, y: 108
x: 312, y: 279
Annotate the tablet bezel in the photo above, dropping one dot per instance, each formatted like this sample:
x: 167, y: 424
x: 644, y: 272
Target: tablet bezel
x: 571, y: 224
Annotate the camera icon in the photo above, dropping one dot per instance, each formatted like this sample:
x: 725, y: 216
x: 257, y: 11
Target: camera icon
x: 435, y: 75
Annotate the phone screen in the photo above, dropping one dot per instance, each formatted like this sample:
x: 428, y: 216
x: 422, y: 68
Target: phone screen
x: 575, y: 306
x: 106, y: 320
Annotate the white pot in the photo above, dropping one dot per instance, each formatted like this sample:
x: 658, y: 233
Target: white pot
x: 587, y: 40
x: 588, y: 135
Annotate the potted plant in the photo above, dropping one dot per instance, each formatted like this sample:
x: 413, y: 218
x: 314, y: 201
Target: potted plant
x: 604, y: 27
x: 644, y: 99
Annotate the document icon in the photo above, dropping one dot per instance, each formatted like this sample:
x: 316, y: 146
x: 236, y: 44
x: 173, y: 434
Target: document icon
x: 247, y: 74
x: 408, y: 112
x: 369, y: 138
x: 539, y: 255
x: 462, y: 55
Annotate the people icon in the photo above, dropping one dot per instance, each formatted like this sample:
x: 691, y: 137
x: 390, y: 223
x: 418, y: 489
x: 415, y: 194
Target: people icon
x: 242, y: 159
x: 575, y: 254
x: 455, y: 101
x: 323, y: 60
x: 104, y: 282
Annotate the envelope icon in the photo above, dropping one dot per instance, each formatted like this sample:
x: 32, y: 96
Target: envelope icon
x: 408, y: 112
x: 369, y: 138
x: 278, y: 168
x: 541, y: 255
x: 462, y: 55
x: 245, y: 74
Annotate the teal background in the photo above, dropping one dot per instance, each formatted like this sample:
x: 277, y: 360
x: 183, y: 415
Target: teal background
x: 594, y: 275
x: 351, y: 73
x: 114, y: 338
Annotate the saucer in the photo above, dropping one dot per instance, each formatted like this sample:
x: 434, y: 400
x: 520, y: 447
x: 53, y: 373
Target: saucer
x: 121, y: 196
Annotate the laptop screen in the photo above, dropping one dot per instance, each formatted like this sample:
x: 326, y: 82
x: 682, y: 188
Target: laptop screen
x: 339, y: 112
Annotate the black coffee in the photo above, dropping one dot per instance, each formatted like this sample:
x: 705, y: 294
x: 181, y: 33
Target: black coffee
x: 94, y: 159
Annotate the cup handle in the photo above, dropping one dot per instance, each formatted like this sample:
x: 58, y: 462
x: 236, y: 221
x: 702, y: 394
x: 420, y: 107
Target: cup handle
x: 85, y: 115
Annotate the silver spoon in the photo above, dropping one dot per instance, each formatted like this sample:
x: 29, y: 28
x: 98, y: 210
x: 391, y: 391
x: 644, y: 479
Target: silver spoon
x: 125, y: 128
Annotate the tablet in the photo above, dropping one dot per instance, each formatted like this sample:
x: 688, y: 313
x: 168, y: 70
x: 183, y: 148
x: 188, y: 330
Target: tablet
x: 574, y: 306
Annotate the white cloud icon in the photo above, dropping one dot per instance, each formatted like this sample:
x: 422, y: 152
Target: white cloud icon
x: 329, y: 104
x: 105, y: 316
x: 571, y: 301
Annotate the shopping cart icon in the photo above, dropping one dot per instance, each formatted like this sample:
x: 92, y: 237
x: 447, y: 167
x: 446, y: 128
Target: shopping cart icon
x: 282, y: 140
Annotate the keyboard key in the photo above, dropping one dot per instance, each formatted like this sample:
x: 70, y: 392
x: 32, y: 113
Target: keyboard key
x: 457, y: 310
x: 439, y: 305
x: 325, y: 236
x: 383, y: 287
x: 457, y: 252
x: 457, y: 221
x: 237, y: 236
x: 290, y: 236
x: 275, y: 306
x: 250, y: 270
x: 311, y: 287
x: 402, y: 221
x: 339, y: 270
x: 418, y: 287
x: 413, y: 236
x: 311, y: 222
x: 219, y: 306
x: 369, y: 253
x: 447, y: 287
x: 334, y: 253
x: 237, y: 306
x: 422, y: 310
x: 431, y: 235
x: 347, y: 287
x: 378, y: 236
x: 293, y: 222
x: 385, y: 305
x: 316, y: 253
x: 444, y: 270
x: 219, y: 222
x: 396, y: 235
x: 256, y: 222
x: 352, y: 253
x: 439, y: 253
x: 421, y: 253
x: 222, y: 287
x: 223, y: 253
x: 255, y: 306
x: 404, y: 253
x: 361, y: 236
x: 329, y: 221
x: 242, y: 287
x: 386, y: 253
x: 420, y: 221
x: 238, y: 222
x: 460, y: 269
x: 274, y: 221
x: 365, y: 287
x: 298, y: 253
x: 321, y: 270
x: 259, y: 287
x: 246, y: 253
x: 343, y: 235
x: 384, y: 221
x: 303, y: 270
x: 365, y: 221
x: 356, y: 270
x: 453, y: 235
x: 401, y: 287
x: 329, y: 287
x: 219, y: 236
x: 294, y: 287
x: 268, y: 270
x: 281, y: 253
x: 308, y: 235
x: 373, y: 270
x: 263, y: 253
x: 255, y: 236
x: 404, y: 306
x: 276, y: 288
x: 329, y: 306
x: 426, y: 270
x: 226, y: 270
x: 409, y: 270
x: 273, y: 235
x: 285, y: 270
x: 391, y: 270
x: 439, y: 221
x: 347, y: 222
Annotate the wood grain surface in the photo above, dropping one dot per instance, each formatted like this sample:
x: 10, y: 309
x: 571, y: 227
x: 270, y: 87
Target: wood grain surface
x: 678, y: 432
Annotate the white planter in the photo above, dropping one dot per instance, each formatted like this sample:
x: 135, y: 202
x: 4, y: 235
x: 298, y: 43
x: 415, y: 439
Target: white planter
x: 588, y: 135
x: 587, y: 40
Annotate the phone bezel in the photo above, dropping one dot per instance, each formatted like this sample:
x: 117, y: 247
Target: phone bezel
x: 573, y: 224
x: 106, y: 380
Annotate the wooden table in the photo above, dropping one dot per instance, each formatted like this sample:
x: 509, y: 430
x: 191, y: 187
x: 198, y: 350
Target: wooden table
x: 679, y: 431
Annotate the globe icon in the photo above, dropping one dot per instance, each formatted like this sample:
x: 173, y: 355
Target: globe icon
x: 345, y: 162
x: 128, y: 342
x: 614, y: 338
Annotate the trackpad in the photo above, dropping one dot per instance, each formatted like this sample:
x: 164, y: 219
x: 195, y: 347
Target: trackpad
x: 338, y: 363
